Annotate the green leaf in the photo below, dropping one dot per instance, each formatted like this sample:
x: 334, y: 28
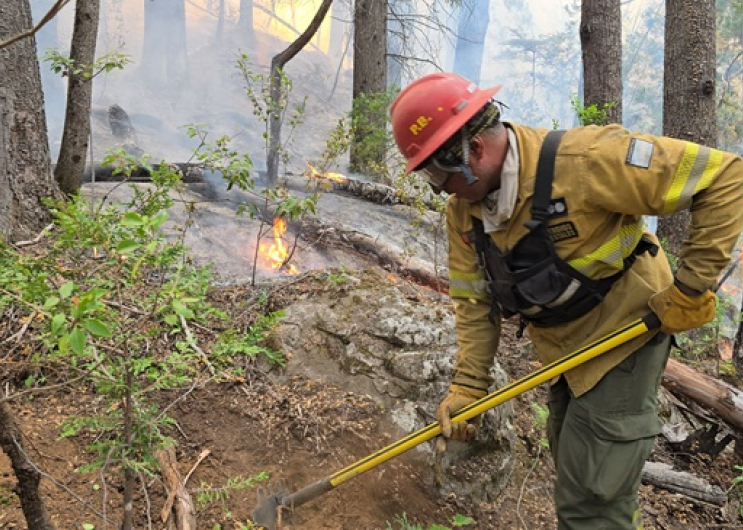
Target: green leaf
x: 51, y: 302
x: 180, y: 308
x: 88, y: 526
x: 171, y: 320
x: 66, y: 290
x: 57, y: 321
x: 96, y: 327
x: 132, y: 219
x: 127, y: 246
x: 77, y: 341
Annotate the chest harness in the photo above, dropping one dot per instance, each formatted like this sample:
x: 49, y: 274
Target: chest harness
x: 530, y: 279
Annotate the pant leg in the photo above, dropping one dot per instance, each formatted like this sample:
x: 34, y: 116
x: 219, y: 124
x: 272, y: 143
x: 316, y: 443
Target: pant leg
x: 604, y: 438
x: 558, y: 401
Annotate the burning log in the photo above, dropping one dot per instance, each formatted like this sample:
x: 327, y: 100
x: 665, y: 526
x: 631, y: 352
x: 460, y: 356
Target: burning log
x: 370, y: 191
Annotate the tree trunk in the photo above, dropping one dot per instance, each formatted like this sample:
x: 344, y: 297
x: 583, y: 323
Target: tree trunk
x: 277, y: 97
x: 27, y: 475
x: 601, y: 43
x: 246, y: 15
x: 74, y: 150
x: 689, y: 111
x: 164, y: 58
x: 474, y: 18
x: 369, y: 70
x: 25, y: 167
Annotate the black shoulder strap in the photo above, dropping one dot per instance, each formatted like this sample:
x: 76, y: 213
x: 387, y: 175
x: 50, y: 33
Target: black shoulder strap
x: 543, y: 184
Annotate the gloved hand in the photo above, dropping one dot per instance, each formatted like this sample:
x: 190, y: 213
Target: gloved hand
x: 679, y: 311
x: 458, y: 398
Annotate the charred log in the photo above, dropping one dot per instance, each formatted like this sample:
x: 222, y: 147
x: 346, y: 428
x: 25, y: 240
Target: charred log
x: 322, y: 233
x: 691, y: 486
x: 190, y: 173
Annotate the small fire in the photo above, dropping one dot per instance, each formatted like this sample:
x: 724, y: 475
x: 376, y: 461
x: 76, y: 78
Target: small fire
x: 277, y: 254
x: 335, y: 177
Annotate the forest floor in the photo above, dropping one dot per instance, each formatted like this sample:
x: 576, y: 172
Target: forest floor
x: 301, y: 430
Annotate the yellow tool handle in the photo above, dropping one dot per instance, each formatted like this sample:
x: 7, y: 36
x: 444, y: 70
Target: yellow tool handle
x: 544, y: 374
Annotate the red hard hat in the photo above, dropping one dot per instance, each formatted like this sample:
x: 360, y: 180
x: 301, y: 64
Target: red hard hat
x: 430, y: 110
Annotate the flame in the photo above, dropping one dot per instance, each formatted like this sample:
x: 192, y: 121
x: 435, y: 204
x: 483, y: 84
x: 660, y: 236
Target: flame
x: 278, y: 254
x: 336, y: 177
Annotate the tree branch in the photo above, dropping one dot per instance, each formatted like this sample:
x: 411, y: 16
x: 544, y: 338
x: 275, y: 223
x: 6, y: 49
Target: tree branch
x: 56, y: 8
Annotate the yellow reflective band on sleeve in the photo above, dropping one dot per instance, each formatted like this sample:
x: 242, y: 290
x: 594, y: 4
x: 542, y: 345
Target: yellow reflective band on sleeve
x: 612, y: 253
x: 698, y: 167
x: 467, y: 284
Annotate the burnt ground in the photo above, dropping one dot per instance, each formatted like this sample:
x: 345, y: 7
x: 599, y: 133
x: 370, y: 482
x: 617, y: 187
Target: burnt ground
x: 301, y: 430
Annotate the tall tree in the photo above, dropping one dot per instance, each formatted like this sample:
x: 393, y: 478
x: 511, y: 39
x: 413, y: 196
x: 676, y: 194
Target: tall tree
x: 474, y: 18
x: 25, y: 166
x: 369, y: 70
x: 74, y: 149
x: 164, y: 59
x: 689, y: 111
x: 601, y: 43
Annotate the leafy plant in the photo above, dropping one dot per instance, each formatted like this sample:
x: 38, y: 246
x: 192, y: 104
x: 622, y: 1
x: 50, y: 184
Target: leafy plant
x: 66, y: 65
x: 540, y: 415
x: 591, y: 115
x: 372, y: 138
x: 110, y: 304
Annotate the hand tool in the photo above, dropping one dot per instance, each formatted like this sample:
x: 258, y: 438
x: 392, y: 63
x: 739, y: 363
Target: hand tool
x: 272, y: 502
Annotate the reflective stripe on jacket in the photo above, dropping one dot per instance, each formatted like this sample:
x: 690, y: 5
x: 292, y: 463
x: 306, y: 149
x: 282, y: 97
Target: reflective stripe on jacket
x: 606, y: 178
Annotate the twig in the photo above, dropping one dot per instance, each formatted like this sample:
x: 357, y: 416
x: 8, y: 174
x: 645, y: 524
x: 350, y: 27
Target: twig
x: 36, y: 239
x: 202, y: 456
x: 19, y: 335
x: 192, y: 342
x: 56, y: 8
x: 523, y: 486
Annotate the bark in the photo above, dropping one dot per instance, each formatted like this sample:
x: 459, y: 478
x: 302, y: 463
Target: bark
x: 601, y: 44
x: 276, y: 90
x: 74, y: 149
x: 178, y: 496
x: 25, y: 166
x: 723, y: 400
x: 664, y: 476
x: 369, y: 72
x: 27, y: 475
x: 689, y: 110
x: 321, y: 233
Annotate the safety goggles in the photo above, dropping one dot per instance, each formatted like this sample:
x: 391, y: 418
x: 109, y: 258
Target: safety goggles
x: 439, y: 168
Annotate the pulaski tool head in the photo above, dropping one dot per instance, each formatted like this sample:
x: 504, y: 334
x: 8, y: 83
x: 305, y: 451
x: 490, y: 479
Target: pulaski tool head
x: 268, y: 514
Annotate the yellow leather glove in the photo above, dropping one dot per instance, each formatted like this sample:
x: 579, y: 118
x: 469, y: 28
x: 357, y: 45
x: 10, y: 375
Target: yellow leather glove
x: 458, y: 398
x: 679, y: 311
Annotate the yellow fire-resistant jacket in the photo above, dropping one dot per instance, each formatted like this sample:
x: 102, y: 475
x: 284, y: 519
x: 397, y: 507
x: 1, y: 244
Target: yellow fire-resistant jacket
x: 607, y: 179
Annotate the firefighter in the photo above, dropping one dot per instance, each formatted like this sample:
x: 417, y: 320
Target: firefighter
x: 572, y: 268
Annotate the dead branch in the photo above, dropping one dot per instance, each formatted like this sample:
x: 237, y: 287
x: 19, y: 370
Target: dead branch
x: 723, y: 400
x: 691, y: 486
x: 56, y: 8
x: 184, y: 509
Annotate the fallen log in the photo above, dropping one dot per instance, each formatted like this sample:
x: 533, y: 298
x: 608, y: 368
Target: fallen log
x: 415, y: 268
x: 185, y: 514
x: 723, y: 400
x: 191, y: 173
x: 664, y: 476
x: 373, y: 191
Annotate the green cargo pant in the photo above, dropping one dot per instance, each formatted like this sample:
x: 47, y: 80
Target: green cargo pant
x: 600, y: 442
